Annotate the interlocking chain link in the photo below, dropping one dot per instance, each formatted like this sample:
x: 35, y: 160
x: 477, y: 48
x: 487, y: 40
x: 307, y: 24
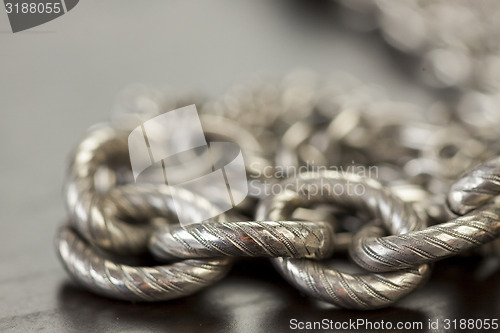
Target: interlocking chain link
x: 309, y: 137
x: 102, y: 214
x: 132, y: 283
x: 98, y: 217
x: 244, y: 239
x: 361, y: 291
x: 383, y: 254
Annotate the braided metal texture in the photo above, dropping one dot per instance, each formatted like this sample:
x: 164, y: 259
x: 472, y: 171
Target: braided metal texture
x: 158, y: 283
x: 88, y: 211
x: 244, y: 239
x: 382, y: 254
x: 350, y: 291
x: 475, y: 188
x: 472, y: 190
x: 289, y: 123
x: 101, y: 217
x: 480, y: 226
x: 344, y: 190
x: 317, y: 279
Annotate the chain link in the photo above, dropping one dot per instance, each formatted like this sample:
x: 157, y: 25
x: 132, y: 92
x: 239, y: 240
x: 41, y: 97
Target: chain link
x: 292, y: 132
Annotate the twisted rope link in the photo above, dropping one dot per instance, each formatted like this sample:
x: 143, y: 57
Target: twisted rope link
x: 317, y: 279
x: 244, y: 239
x: 478, y: 227
x: 103, y: 276
x: 89, y: 213
x: 475, y: 188
x: 382, y: 254
x: 329, y: 123
x: 100, y: 217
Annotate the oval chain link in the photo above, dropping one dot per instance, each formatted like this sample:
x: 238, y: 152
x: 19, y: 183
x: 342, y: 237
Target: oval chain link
x: 289, y: 129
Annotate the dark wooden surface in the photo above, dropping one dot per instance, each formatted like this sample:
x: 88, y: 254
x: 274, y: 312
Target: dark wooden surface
x: 59, y: 78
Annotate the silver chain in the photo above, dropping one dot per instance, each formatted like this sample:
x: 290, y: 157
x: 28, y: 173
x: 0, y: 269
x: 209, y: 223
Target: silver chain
x: 419, y: 204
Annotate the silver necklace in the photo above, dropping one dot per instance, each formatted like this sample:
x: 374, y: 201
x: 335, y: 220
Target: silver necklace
x: 418, y: 205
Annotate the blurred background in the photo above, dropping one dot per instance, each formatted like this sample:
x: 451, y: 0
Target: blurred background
x: 58, y: 79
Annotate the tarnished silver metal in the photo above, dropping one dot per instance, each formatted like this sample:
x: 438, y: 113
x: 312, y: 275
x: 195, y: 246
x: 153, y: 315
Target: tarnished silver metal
x: 147, y: 201
x: 88, y: 211
x: 283, y: 126
x: 343, y: 190
x: 244, y: 239
x: 479, y: 225
x: 475, y: 188
x: 383, y: 254
x: 317, y: 279
x: 351, y: 291
x: 103, y: 276
x: 99, y: 214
